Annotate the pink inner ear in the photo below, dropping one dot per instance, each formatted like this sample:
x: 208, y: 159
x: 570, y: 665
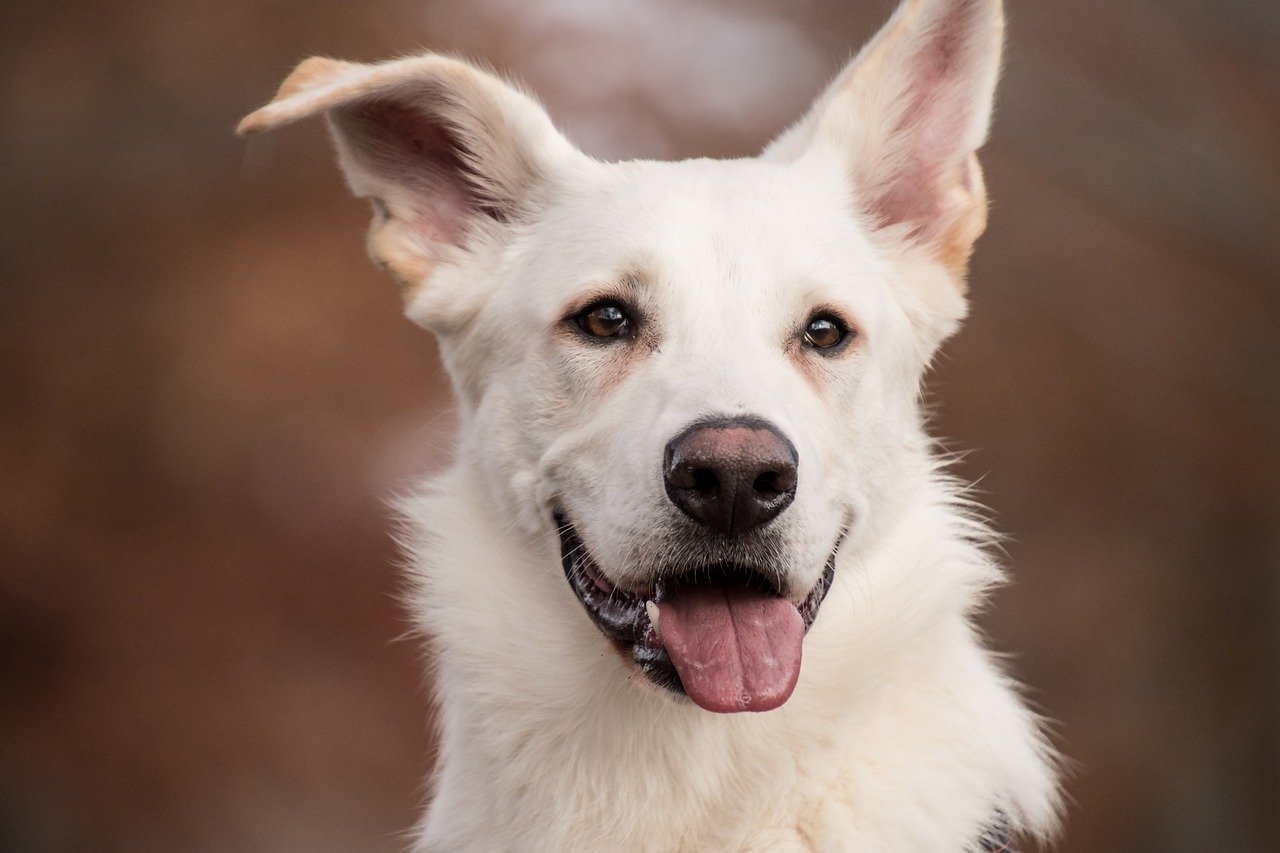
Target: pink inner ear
x: 442, y: 216
x: 422, y: 163
x: 930, y: 134
x: 423, y: 137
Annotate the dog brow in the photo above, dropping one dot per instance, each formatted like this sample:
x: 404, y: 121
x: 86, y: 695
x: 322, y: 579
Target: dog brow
x: 630, y: 284
x: 636, y: 278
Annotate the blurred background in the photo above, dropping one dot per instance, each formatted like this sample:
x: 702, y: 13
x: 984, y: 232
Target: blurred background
x: 207, y: 393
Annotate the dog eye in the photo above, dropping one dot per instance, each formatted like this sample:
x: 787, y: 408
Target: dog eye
x: 825, y: 332
x: 604, y: 320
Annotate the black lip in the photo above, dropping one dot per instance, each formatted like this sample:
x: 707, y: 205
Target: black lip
x: 621, y: 615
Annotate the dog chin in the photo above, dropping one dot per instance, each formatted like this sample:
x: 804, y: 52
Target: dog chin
x: 721, y: 634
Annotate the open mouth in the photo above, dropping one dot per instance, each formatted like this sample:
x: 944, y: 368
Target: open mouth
x: 724, y: 636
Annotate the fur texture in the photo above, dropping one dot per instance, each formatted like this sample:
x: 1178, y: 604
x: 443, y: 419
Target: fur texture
x: 902, y: 733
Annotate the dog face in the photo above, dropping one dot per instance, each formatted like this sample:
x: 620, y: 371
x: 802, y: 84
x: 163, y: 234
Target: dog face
x: 704, y: 375
x: 706, y: 293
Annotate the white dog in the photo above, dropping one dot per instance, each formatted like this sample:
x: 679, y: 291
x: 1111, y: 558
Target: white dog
x: 692, y: 454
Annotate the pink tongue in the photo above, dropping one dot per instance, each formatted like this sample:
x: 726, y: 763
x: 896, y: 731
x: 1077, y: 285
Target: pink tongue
x: 735, y: 649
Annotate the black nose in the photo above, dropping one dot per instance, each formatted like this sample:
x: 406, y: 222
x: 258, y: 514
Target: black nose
x: 732, y: 474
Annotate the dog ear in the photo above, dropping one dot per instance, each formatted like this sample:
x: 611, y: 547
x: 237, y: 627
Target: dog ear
x: 448, y: 155
x: 906, y: 118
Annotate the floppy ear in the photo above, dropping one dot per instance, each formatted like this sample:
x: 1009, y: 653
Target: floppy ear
x: 449, y: 156
x: 906, y: 118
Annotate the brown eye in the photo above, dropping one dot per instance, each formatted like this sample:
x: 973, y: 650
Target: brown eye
x: 825, y: 332
x: 604, y: 320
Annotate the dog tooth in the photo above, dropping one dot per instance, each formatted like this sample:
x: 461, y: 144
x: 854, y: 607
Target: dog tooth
x: 651, y: 608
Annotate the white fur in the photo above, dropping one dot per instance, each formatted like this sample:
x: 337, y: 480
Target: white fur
x: 902, y: 734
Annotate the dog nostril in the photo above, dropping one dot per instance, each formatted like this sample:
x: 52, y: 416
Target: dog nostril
x: 767, y: 484
x: 773, y: 483
x: 705, y: 481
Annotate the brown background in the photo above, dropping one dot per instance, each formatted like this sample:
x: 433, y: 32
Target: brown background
x: 206, y: 393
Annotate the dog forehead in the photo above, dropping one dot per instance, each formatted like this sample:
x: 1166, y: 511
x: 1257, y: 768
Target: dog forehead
x: 730, y: 222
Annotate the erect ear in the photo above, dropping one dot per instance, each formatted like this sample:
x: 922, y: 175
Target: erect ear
x: 449, y: 156
x: 906, y: 118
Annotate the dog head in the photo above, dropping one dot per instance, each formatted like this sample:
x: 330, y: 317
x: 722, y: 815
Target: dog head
x: 703, y: 374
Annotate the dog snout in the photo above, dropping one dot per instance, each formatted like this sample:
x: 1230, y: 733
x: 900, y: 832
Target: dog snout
x: 731, y: 474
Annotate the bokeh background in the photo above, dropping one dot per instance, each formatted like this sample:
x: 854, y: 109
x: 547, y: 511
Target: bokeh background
x: 207, y: 393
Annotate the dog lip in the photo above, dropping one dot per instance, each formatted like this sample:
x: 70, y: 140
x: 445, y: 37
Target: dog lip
x: 617, y: 612
x: 622, y: 615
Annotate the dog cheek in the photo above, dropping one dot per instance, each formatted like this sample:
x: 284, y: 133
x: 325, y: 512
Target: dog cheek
x: 596, y: 472
x: 864, y: 439
x: 528, y: 490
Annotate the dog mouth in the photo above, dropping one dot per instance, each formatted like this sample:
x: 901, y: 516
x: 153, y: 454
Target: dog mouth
x: 722, y: 635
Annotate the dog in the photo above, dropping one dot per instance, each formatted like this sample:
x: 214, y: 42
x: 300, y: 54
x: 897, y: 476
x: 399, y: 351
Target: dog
x: 697, y: 578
